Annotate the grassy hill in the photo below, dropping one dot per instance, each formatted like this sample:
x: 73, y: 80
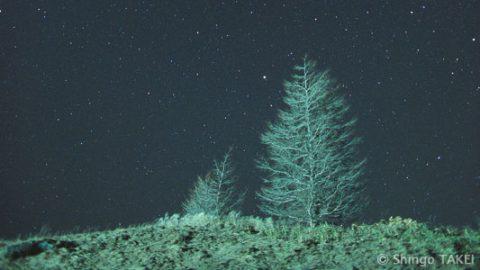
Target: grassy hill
x: 233, y: 242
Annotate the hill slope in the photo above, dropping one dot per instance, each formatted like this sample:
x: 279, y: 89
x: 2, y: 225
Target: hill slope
x: 204, y: 242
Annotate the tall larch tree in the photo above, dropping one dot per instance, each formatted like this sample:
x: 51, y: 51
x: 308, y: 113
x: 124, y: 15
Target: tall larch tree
x: 313, y: 170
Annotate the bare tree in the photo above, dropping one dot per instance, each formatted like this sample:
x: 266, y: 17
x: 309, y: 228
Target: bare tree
x: 215, y: 194
x: 313, y: 173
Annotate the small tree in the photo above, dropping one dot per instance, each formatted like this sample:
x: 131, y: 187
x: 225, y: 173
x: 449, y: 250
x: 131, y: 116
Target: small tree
x: 214, y: 194
x: 311, y: 162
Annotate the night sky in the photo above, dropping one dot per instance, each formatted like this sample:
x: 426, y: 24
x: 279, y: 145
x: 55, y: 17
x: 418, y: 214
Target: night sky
x: 110, y: 109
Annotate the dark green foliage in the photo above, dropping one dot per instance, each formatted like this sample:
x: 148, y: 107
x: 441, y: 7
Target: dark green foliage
x: 232, y: 242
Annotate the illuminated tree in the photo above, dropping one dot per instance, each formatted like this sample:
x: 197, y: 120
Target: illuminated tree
x: 214, y: 194
x: 312, y: 166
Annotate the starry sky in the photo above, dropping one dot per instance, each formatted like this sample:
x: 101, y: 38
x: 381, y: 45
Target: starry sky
x: 110, y: 109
